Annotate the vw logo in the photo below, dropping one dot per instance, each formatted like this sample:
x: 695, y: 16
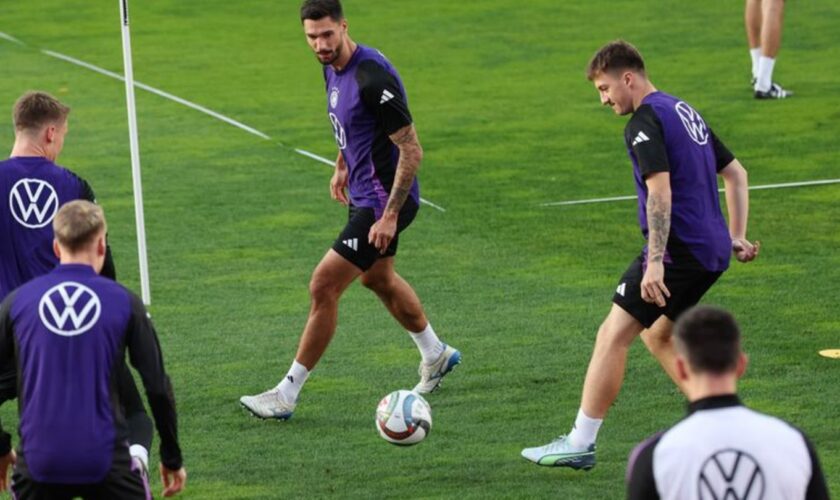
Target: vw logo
x: 731, y: 474
x: 69, y: 309
x: 334, y: 97
x: 33, y: 203
x: 340, y: 138
x: 693, y: 123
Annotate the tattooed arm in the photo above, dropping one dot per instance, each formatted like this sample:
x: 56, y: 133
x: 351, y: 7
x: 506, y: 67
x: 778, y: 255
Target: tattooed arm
x: 659, y: 227
x: 411, y: 154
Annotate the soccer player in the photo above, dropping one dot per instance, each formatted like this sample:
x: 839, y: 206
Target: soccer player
x: 32, y: 188
x: 66, y: 334
x: 763, y: 20
x: 378, y: 158
x: 675, y: 158
x: 722, y: 449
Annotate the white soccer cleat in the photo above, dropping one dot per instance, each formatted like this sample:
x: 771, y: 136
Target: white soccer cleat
x: 561, y: 453
x: 432, y: 374
x: 269, y: 404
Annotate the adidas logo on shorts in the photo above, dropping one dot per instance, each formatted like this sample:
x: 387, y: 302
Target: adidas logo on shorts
x: 352, y: 243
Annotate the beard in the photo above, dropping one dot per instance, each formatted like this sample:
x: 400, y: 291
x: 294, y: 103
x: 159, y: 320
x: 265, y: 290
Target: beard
x: 328, y: 57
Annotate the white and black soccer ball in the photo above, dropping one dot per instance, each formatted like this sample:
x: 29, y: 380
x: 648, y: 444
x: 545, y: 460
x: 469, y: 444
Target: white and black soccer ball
x: 403, y: 417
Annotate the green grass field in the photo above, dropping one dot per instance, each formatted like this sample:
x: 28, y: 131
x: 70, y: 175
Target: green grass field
x: 236, y: 223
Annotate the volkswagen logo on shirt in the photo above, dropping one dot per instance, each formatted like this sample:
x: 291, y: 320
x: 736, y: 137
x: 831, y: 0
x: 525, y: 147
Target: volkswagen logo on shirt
x: 693, y: 123
x: 731, y: 474
x: 69, y: 309
x: 33, y: 203
x: 340, y: 137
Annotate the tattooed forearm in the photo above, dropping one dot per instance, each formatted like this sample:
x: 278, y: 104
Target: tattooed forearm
x: 410, y: 156
x: 659, y: 224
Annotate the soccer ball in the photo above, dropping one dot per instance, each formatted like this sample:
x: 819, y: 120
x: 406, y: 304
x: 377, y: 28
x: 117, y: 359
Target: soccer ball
x: 403, y: 418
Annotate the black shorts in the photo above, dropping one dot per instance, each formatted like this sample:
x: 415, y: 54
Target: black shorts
x: 352, y: 243
x: 687, y: 284
x: 124, y: 481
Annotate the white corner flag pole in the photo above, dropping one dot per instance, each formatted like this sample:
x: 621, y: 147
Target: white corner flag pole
x: 135, y: 155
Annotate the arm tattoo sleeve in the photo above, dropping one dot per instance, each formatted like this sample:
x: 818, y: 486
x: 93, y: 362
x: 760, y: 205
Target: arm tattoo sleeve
x: 659, y: 225
x: 410, y: 156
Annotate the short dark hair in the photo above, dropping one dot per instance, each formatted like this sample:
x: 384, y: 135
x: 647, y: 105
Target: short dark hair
x: 319, y: 9
x: 35, y: 109
x: 615, y: 56
x: 709, y: 337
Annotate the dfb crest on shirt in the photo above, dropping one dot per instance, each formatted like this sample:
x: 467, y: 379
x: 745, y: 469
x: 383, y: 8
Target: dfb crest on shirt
x: 69, y: 309
x: 731, y: 474
x: 33, y: 202
x: 340, y: 137
x: 334, y: 97
x: 693, y: 123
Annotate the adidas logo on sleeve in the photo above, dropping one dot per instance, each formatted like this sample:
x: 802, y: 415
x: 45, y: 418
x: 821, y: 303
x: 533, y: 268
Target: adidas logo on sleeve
x: 386, y: 96
x: 640, y: 138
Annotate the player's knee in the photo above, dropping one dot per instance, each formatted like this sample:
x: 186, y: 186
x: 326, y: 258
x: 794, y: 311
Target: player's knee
x: 322, y: 289
x: 614, y: 337
x: 375, y: 282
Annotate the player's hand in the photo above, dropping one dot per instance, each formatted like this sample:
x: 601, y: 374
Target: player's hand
x: 383, y: 231
x: 5, y: 461
x: 654, y: 290
x: 744, y: 250
x: 173, y: 480
x: 338, y: 185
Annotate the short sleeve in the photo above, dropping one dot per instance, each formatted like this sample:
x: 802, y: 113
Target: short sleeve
x: 723, y: 156
x: 646, y: 140
x: 383, y: 95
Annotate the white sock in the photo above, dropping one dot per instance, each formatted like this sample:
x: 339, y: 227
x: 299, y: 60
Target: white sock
x: 429, y: 344
x: 755, y: 54
x: 585, y: 431
x: 765, y: 73
x: 139, y: 452
x: 293, y: 382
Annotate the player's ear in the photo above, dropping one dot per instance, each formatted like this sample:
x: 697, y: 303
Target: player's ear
x: 56, y: 249
x: 741, y: 367
x: 50, y: 133
x: 101, y: 246
x: 682, y: 368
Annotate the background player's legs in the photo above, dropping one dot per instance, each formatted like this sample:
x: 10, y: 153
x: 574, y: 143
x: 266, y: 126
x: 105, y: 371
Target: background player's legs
x: 752, y: 22
x: 772, y: 13
x: 329, y: 280
x: 660, y: 343
x: 397, y: 295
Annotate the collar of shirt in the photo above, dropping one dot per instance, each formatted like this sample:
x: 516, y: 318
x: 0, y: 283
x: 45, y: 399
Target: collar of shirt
x: 714, y: 402
x: 75, y: 268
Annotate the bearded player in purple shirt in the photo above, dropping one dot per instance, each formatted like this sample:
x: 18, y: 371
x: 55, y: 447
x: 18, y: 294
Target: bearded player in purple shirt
x: 379, y: 155
x: 676, y: 159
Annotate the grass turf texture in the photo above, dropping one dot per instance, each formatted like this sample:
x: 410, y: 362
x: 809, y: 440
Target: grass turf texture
x: 236, y: 223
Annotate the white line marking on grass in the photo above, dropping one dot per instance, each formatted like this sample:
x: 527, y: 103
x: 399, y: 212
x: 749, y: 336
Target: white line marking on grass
x: 332, y: 164
x: 11, y: 38
x: 752, y: 188
x: 189, y: 104
x: 161, y: 93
